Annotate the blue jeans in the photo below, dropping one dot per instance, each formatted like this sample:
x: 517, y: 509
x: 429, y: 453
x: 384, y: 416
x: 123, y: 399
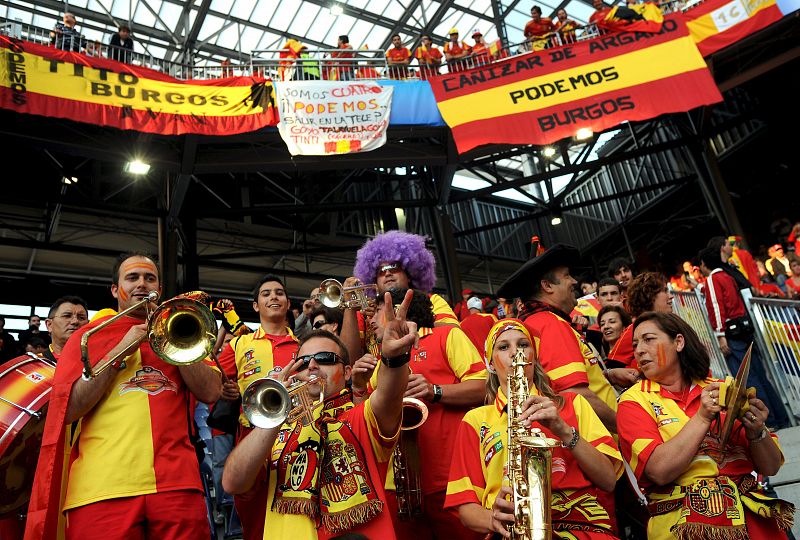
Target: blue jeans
x: 221, y: 446
x: 758, y: 378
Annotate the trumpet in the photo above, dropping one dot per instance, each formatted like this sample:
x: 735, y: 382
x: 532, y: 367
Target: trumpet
x: 333, y: 295
x: 181, y: 331
x: 267, y: 403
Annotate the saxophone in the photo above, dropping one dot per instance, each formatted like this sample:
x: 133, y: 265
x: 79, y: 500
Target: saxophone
x: 530, y: 455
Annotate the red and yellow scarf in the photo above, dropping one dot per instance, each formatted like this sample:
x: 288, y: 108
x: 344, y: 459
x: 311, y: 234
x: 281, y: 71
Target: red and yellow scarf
x: 323, y: 473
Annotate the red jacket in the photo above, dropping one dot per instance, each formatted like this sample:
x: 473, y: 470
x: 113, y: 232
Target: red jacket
x: 723, y: 300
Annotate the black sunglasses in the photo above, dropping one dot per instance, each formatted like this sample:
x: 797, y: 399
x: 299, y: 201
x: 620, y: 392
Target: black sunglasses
x: 319, y: 324
x: 322, y: 358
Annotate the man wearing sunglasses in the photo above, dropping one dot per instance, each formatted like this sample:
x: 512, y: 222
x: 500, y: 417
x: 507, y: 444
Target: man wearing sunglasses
x: 379, y: 261
x: 262, y: 353
x: 327, y: 475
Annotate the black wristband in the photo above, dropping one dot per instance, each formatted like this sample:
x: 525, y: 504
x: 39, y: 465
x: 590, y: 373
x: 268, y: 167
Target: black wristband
x: 396, y: 361
x: 437, y: 393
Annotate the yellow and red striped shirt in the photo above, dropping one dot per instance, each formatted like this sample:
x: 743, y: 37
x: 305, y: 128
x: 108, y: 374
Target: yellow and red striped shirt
x: 479, y: 463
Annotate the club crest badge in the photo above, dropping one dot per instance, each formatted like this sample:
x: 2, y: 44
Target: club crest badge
x: 148, y: 380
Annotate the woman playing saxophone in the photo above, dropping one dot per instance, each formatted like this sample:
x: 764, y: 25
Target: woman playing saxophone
x: 587, y: 460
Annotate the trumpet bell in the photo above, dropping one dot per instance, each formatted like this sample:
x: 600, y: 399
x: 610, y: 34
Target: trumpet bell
x: 182, y: 331
x: 330, y: 293
x: 266, y: 403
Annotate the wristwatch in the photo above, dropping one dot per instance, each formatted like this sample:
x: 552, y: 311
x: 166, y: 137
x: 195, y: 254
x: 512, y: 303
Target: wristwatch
x: 396, y: 361
x: 437, y: 393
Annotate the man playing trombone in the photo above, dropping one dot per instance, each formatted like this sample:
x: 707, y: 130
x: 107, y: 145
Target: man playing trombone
x: 132, y: 468
x: 330, y: 469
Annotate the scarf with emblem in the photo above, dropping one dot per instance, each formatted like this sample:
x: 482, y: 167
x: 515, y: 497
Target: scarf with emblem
x: 714, y: 508
x: 323, y: 473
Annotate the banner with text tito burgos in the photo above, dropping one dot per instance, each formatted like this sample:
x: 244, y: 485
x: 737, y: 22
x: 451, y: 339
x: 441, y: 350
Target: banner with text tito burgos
x: 541, y: 97
x: 319, y: 118
x: 45, y: 81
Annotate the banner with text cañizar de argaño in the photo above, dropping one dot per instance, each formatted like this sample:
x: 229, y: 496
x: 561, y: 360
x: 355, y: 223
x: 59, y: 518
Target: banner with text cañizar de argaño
x: 544, y: 96
x: 319, y: 118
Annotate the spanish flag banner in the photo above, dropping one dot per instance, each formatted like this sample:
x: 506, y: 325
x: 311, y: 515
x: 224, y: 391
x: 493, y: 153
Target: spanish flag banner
x: 715, y: 24
x: 544, y: 96
x: 35, y: 79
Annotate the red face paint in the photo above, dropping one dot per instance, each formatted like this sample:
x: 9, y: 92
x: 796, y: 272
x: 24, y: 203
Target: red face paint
x: 662, y: 356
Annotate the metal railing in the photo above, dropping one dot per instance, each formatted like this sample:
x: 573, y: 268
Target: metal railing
x: 690, y: 306
x: 321, y: 64
x: 777, y: 324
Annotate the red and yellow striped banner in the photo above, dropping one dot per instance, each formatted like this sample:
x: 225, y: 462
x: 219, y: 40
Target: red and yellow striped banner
x: 541, y: 97
x: 715, y: 24
x: 35, y: 79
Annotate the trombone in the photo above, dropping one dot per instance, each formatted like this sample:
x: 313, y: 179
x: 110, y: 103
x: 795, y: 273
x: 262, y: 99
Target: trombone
x: 267, y: 403
x: 181, y: 331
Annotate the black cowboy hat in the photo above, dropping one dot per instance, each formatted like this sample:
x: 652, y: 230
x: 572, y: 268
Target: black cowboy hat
x: 520, y: 283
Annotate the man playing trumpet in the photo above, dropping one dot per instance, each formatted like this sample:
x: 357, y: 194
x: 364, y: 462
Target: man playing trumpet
x: 132, y: 470
x: 331, y: 470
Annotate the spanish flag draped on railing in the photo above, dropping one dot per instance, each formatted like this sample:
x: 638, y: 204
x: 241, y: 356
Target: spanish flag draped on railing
x: 35, y: 79
x: 646, y: 17
x: 716, y: 24
x: 544, y: 96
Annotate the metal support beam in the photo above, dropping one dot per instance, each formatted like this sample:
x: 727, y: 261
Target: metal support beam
x: 442, y: 230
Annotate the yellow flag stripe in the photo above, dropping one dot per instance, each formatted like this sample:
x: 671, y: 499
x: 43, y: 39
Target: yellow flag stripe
x: 566, y: 369
x: 627, y: 70
x: 89, y: 85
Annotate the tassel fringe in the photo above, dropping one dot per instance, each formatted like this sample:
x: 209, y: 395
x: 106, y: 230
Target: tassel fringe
x: 705, y: 531
x: 784, y: 515
x: 286, y: 505
x: 347, y: 519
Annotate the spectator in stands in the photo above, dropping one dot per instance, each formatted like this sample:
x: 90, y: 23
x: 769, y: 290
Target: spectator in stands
x: 302, y: 323
x: 93, y: 48
x: 227, y: 68
x: 8, y: 344
x: 480, y: 51
x: 689, y: 277
x: 398, y: 58
x: 66, y: 315
x: 734, y: 331
x: 778, y: 265
x: 37, y: 346
x: 477, y: 324
x: 600, y: 12
x: 620, y: 269
x: 429, y: 58
x: 767, y: 286
x: 504, y: 308
x: 538, y: 29
x: 456, y: 51
x: 588, y: 285
x: 328, y: 319
x: 739, y: 264
x: 121, y: 45
x: 793, y: 283
x: 613, y: 320
x: 33, y: 331
x: 565, y: 27
x: 794, y: 239
x: 647, y: 292
x: 343, y: 70
x: 461, y: 309
x: 64, y: 36
x: 609, y: 292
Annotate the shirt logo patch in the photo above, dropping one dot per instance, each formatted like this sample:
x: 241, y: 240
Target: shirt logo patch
x: 492, y: 452
x: 421, y: 355
x: 658, y: 409
x: 148, y: 380
x: 35, y: 377
x: 274, y: 371
x: 666, y: 421
x: 251, y: 364
x: 251, y: 371
x: 483, y: 430
x: 249, y: 354
x: 490, y: 438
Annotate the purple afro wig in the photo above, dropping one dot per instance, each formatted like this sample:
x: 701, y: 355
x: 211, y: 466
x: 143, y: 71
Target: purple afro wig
x: 395, y: 246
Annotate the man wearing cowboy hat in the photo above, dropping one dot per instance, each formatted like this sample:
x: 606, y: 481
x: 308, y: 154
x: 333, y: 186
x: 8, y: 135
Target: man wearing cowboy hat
x: 546, y: 287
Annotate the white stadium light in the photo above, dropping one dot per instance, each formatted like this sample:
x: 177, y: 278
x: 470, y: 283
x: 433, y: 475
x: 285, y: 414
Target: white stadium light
x: 137, y: 167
